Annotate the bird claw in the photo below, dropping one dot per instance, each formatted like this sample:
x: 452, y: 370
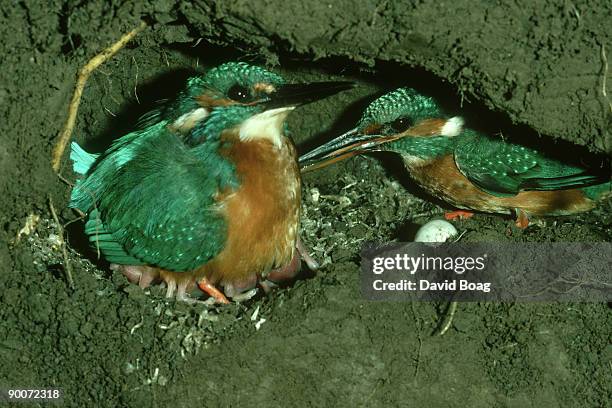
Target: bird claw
x: 207, y: 287
x: 522, y: 220
x: 267, y: 286
x: 185, y: 297
x: 244, y: 296
x: 458, y: 214
x: 313, y: 265
x: 239, y: 291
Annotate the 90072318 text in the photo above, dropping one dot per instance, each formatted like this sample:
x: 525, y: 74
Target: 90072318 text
x: 30, y: 394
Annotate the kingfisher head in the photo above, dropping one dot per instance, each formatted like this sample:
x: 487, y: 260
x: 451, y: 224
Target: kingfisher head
x: 229, y: 86
x: 224, y: 85
x: 402, y: 121
x: 247, y: 98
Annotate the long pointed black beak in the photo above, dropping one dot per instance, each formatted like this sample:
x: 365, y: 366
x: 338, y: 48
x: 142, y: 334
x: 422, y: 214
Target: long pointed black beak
x: 300, y: 94
x: 349, y: 144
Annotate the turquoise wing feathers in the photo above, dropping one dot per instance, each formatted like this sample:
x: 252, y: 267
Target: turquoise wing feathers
x: 504, y: 169
x: 151, y: 199
x: 81, y: 160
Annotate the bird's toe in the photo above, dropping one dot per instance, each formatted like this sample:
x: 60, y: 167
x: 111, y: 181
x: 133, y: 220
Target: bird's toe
x: 458, y: 215
x: 207, y: 287
x: 313, y: 265
x: 140, y: 275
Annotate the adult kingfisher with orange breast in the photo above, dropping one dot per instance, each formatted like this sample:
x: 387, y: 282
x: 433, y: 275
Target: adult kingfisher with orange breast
x: 207, y: 191
x: 468, y: 169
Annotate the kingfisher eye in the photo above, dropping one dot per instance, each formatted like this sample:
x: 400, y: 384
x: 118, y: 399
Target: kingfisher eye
x: 240, y: 93
x: 401, y: 124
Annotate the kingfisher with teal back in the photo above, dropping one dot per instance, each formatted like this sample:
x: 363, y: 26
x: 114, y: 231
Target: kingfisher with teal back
x: 207, y: 191
x: 466, y: 168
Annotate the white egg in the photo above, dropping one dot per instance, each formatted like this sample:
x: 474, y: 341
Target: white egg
x: 435, y: 231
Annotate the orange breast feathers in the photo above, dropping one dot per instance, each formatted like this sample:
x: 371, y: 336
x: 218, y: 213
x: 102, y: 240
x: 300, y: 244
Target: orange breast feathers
x: 263, y: 214
x: 442, y: 178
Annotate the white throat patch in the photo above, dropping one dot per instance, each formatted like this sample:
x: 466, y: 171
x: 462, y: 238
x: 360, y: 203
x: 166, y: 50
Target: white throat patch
x: 453, y: 126
x: 265, y: 125
x: 187, y: 121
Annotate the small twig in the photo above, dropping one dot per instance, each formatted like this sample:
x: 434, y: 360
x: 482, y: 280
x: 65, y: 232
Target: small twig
x: 166, y: 58
x: 79, y: 218
x: 83, y: 215
x: 137, y: 326
x: 378, y: 8
x: 111, y: 113
x: 418, y: 359
x: 95, y: 62
x: 135, y: 81
x: 60, y: 233
x: 460, y: 236
x: 576, y: 14
x: 604, y: 73
x: 448, y: 318
x: 65, y: 180
x: 604, y: 91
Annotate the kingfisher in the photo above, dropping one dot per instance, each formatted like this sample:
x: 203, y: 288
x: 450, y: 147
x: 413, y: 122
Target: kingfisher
x: 468, y: 169
x: 206, y: 191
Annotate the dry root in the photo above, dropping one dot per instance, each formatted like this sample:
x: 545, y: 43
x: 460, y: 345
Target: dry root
x: 92, y: 65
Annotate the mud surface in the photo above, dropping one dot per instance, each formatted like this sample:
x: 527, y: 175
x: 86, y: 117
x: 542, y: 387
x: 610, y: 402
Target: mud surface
x: 108, y: 343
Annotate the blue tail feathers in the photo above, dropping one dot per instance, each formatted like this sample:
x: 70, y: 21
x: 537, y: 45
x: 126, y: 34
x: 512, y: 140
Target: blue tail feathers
x: 106, y: 243
x: 81, y: 160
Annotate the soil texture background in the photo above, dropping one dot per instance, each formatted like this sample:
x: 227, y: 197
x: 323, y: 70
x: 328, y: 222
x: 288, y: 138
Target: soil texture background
x: 533, y: 70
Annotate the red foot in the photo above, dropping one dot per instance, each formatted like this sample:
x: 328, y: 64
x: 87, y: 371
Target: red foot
x: 522, y: 220
x: 459, y: 214
x: 286, y: 272
x: 289, y: 271
x: 207, y: 287
x: 237, y: 288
